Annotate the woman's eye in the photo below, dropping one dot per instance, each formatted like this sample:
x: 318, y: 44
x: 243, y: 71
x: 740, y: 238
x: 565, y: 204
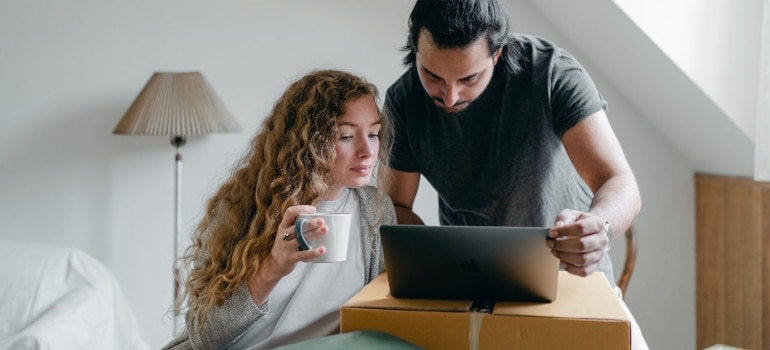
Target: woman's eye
x: 346, y: 137
x: 374, y: 136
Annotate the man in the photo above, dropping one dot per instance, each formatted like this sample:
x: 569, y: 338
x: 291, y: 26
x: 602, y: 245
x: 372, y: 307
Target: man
x: 510, y: 130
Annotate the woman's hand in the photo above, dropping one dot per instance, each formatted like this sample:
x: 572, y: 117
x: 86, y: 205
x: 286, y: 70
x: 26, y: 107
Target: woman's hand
x: 285, y: 253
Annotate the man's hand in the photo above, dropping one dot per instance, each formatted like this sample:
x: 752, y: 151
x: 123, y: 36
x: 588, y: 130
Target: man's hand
x: 579, y: 241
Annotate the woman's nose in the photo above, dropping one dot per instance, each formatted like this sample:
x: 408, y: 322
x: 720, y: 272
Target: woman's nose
x: 366, y: 149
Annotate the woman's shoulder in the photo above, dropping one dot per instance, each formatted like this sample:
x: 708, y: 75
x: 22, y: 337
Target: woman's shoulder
x: 375, y: 203
x: 368, y: 193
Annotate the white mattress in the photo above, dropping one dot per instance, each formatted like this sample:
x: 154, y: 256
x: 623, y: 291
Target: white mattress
x: 54, y: 297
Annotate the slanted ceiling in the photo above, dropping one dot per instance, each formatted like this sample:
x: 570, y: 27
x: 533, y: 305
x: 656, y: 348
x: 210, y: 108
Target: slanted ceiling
x: 651, y: 83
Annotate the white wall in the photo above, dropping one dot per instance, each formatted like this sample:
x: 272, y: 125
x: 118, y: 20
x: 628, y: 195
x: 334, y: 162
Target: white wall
x: 715, y: 42
x: 762, y: 137
x: 720, y: 45
x: 68, y: 71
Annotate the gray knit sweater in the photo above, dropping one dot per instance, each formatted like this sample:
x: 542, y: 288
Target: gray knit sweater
x: 228, y: 322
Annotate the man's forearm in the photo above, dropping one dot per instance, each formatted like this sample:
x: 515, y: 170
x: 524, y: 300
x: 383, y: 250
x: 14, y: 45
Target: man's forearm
x: 406, y: 216
x: 618, y: 201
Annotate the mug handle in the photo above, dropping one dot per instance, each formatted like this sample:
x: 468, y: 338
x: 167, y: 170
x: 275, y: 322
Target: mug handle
x: 303, y: 244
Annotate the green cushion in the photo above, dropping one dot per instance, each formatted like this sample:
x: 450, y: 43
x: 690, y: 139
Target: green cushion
x: 370, y: 340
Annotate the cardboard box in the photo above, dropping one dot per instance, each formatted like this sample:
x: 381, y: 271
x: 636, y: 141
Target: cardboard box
x: 586, y: 314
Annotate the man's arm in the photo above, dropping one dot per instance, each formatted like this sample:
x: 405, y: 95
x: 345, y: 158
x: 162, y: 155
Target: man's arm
x: 402, y: 193
x: 596, y: 154
x: 598, y: 158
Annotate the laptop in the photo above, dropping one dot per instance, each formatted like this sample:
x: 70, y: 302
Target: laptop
x: 478, y: 263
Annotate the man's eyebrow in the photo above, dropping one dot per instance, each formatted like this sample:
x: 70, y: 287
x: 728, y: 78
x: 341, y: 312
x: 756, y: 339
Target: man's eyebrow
x: 472, y: 75
x: 429, y: 72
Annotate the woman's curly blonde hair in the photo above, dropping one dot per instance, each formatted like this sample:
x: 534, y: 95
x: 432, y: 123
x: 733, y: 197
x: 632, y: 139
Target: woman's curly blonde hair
x: 288, y: 163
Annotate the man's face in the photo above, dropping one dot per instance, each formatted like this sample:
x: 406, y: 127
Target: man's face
x: 457, y: 76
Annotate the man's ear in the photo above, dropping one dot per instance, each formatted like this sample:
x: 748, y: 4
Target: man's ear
x: 496, y: 56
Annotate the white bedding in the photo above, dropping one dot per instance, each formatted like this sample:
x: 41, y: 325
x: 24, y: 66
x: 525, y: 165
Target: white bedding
x: 54, y: 297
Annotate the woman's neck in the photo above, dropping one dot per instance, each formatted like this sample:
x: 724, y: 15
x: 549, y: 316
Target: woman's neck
x: 334, y: 193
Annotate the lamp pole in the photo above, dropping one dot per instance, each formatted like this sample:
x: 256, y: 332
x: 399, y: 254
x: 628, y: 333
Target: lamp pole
x: 177, y: 141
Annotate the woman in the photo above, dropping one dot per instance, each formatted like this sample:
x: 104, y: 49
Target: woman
x: 248, y: 287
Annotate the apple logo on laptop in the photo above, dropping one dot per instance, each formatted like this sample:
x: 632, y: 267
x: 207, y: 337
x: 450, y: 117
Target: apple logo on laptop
x: 470, y: 266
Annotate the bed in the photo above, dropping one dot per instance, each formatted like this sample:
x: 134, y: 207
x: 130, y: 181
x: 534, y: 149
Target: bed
x: 55, y: 297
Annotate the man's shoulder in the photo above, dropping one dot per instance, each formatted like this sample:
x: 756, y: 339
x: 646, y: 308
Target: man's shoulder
x: 538, y: 50
x: 534, y: 41
x: 538, y: 53
x: 405, y: 83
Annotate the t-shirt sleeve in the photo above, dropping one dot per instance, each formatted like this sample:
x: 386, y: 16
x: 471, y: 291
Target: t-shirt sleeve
x: 401, y: 157
x: 574, y: 95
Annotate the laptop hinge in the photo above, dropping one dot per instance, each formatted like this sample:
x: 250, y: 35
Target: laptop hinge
x: 485, y: 306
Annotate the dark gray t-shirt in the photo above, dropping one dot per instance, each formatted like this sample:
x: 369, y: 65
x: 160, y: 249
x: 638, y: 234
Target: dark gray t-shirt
x: 501, y: 160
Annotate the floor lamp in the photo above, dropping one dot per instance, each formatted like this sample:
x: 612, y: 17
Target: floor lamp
x: 177, y: 104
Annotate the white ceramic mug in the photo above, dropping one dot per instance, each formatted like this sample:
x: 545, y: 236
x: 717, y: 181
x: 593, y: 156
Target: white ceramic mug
x: 335, y: 241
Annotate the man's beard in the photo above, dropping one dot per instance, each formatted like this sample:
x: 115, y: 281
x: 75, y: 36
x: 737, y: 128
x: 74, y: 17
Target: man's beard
x: 458, y: 107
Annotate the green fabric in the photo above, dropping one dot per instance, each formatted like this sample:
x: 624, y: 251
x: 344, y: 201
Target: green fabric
x: 369, y: 340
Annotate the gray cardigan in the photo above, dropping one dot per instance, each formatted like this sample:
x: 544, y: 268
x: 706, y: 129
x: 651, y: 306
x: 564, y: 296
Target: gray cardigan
x: 226, y: 323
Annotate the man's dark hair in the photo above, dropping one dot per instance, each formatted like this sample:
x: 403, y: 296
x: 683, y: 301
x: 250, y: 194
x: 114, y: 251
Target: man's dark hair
x: 458, y: 23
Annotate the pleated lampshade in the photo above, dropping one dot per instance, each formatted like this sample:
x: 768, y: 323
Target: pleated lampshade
x: 177, y: 104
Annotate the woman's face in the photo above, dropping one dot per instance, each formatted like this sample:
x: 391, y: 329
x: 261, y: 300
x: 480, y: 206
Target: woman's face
x: 357, y: 146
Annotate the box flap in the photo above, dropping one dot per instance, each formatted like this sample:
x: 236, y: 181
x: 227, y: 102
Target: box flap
x: 577, y: 297
x: 376, y: 295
